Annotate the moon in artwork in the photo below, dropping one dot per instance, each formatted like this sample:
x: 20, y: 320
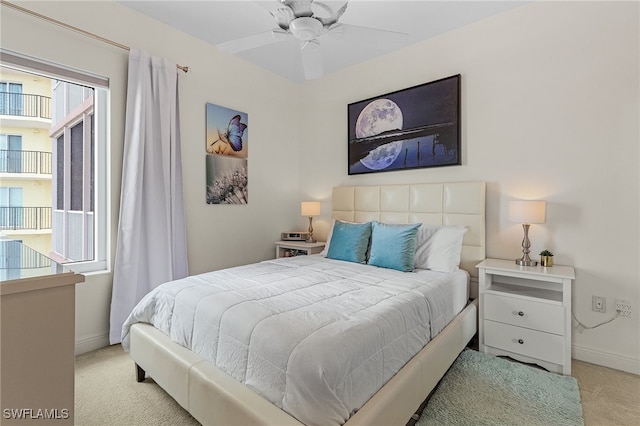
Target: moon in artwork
x: 380, y: 116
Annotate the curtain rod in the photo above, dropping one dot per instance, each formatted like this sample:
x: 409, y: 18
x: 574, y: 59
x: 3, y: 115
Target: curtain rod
x: 76, y: 29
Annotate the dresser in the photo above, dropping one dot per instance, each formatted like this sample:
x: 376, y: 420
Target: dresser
x: 525, y: 313
x: 37, y: 350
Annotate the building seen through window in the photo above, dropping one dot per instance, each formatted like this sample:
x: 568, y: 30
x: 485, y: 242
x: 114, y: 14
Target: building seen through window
x: 48, y: 166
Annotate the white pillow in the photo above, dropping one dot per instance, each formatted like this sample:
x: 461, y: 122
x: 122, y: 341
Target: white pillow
x: 326, y: 245
x: 425, y: 232
x: 439, y: 247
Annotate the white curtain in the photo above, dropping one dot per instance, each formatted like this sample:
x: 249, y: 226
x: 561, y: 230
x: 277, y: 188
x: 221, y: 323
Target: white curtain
x: 151, y: 246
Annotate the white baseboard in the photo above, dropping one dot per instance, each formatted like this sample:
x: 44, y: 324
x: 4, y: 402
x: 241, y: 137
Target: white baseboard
x: 606, y: 359
x: 88, y: 344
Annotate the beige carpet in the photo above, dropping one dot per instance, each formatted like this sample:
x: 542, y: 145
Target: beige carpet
x: 107, y: 393
x: 609, y: 397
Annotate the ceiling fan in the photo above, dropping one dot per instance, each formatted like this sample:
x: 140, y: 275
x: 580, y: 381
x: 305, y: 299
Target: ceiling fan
x: 308, y: 21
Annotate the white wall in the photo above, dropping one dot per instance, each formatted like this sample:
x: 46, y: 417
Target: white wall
x: 549, y: 111
x: 218, y: 236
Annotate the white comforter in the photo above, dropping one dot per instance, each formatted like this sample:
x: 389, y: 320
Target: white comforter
x: 316, y: 337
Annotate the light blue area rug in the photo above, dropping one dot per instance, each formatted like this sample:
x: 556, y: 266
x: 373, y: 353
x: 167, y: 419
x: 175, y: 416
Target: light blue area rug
x: 482, y: 389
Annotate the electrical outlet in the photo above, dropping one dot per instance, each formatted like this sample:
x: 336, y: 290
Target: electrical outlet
x: 598, y: 304
x: 624, y: 306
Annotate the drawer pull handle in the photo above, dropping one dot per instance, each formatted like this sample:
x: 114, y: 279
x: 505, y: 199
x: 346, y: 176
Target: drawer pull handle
x: 520, y: 313
x: 521, y: 341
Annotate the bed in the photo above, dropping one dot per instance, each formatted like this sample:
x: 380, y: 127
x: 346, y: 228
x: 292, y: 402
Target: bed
x: 214, y: 396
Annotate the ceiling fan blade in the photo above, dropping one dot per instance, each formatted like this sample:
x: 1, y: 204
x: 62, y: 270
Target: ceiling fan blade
x: 253, y: 41
x: 333, y: 16
x: 370, y: 36
x: 311, y: 59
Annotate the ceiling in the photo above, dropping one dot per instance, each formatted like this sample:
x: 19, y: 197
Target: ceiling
x: 220, y: 21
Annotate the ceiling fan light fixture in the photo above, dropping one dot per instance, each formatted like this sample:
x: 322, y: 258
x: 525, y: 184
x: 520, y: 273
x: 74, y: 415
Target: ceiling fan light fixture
x: 283, y: 16
x: 306, y: 28
x: 299, y: 7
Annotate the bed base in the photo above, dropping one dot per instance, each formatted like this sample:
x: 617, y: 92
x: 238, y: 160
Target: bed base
x: 214, y: 398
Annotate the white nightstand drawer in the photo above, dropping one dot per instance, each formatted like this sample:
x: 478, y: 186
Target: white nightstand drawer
x: 535, y: 344
x: 524, y: 313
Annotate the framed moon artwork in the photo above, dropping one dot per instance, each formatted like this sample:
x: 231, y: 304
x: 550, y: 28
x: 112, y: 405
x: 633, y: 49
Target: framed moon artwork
x: 226, y: 146
x: 408, y: 129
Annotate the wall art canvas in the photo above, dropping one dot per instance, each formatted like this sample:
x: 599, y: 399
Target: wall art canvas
x: 226, y: 146
x: 408, y: 129
x: 226, y: 179
x: 227, y: 131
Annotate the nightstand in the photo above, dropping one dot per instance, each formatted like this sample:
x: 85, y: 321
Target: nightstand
x: 525, y: 313
x: 297, y: 248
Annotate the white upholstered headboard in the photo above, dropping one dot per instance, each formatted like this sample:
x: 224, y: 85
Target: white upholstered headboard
x: 455, y: 203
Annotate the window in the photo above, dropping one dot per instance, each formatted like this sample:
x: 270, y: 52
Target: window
x: 79, y: 145
x: 10, y: 98
x: 10, y: 259
x: 11, y: 211
x: 10, y: 153
x: 77, y: 167
x: 59, y: 175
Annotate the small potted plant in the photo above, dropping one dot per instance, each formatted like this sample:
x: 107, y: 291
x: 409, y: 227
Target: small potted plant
x: 546, y: 258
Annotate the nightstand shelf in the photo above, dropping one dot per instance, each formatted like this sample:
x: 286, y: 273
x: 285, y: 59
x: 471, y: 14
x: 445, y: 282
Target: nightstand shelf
x: 525, y: 292
x: 525, y: 313
x: 297, y: 248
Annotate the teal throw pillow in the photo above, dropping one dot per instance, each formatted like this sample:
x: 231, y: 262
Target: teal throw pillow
x: 393, y: 246
x: 350, y: 241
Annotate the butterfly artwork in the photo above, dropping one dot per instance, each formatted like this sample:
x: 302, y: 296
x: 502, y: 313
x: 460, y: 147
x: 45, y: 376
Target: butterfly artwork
x: 234, y: 133
x: 226, y: 159
x: 230, y: 141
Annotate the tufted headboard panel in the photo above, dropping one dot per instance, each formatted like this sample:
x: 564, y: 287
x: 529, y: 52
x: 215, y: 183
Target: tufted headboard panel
x: 455, y: 203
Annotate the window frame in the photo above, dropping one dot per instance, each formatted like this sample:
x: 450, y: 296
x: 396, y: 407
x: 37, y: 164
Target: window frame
x: 101, y: 149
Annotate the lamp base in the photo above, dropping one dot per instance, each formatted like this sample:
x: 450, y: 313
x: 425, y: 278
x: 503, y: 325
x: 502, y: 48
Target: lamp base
x: 310, y: 239
x: 524, y: 262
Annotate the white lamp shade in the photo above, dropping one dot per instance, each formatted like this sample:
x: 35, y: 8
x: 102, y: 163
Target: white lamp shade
x: 525, y: 211
x: 310, y: 208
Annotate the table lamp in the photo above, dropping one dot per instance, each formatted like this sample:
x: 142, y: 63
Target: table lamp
x: 310, y: 209
x: 526, y: 212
